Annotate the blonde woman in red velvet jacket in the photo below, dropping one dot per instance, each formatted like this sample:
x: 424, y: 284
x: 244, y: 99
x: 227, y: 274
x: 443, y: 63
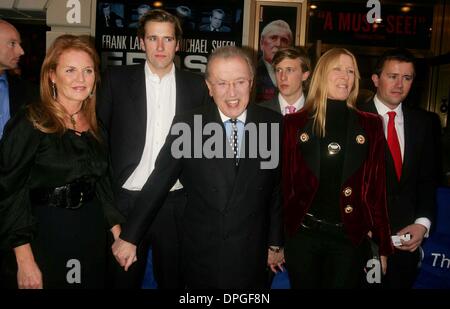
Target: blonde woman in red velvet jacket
x: 333, y: 180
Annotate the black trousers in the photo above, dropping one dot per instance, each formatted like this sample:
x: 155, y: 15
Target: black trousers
x: 163, y: 237
x: 323, y: 259
x: 165, y: 240
x: 402, y: 270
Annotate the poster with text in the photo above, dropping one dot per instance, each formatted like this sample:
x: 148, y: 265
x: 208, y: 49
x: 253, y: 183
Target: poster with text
x: 206, y: 26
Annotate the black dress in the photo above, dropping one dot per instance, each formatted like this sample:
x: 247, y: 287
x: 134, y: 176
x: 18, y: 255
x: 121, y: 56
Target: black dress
x: 70, y: 246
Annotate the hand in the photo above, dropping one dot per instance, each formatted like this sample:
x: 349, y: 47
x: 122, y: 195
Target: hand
x: 29, y: 276
x: 124, y: 252
x: 28, y: 273
x: 275, y: 259
x: 417, y: 232
x: 383, y: 259
x: 116, y: 230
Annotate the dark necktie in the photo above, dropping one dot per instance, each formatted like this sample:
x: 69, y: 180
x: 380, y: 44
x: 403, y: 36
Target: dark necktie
x: 234, y: 140
x: 394, y: 145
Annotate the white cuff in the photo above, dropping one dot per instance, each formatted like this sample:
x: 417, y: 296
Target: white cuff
x: 426, y: 223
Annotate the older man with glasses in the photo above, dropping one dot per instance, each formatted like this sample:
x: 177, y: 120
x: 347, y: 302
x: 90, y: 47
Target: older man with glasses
x: 232, y: 226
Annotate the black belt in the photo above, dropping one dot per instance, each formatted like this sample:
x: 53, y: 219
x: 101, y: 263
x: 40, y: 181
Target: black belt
x: 311, y: 222
x: 71, y: 196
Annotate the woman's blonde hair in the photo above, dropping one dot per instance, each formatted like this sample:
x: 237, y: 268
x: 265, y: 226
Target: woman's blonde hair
x: 48, y: 115
x: 316, y: 101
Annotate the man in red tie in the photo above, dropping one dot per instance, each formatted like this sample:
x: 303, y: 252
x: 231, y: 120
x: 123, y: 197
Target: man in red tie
x: 292, y: 67
x: 410, y: 153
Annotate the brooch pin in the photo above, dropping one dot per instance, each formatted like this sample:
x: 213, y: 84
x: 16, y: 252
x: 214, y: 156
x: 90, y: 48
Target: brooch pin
x: 333, y: 148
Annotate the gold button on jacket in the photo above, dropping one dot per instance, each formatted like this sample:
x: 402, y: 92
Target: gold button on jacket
x: 347, y: 191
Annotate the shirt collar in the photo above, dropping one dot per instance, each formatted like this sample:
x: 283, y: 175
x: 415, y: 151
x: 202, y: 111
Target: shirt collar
x: 242, y: 117
x: 298, y: 104
x: 155, y: 77
x: 383, y: 109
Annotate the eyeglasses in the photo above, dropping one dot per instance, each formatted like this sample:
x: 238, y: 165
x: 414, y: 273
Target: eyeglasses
x: 239, y: 85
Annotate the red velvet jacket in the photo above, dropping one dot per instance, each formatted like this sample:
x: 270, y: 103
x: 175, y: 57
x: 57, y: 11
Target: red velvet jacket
x: 363, y: 185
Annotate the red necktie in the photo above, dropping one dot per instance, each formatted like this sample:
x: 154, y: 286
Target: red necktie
x: 394, y: 145
x: 290, y: 109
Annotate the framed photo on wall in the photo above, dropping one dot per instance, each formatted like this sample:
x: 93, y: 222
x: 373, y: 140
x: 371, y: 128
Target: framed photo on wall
x: 291, y: 13
x: 277, y: 24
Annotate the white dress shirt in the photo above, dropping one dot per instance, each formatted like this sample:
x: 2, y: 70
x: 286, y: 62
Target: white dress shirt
x: 298, y: 104
x: 161, y: 105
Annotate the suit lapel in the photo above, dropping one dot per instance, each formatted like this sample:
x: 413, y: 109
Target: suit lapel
x: 408, y: 150
x: 246, y: 165
x: 179, y: 86
x: 356, y: 146
x: 226, y: 167
x: 370, y: 107
x: 138, y: 98
x: 309, y: 144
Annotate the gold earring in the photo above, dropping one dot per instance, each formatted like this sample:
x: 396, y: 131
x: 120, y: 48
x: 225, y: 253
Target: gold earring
x: 53, y: 91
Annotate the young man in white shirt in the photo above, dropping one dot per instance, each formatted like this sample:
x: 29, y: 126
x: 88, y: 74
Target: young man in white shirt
x: 137, y: 104
x: 292, y: 68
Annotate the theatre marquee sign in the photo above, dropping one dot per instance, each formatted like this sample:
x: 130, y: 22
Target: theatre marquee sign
x: 347, y: 24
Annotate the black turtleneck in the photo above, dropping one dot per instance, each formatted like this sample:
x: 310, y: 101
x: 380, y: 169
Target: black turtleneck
x: 326, y: 201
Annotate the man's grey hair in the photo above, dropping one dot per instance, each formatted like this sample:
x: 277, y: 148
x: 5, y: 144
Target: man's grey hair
x: 279, y: 23
x: 226, y: 52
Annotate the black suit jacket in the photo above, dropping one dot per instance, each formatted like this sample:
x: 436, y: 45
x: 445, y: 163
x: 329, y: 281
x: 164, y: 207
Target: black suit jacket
x: 21, y: 92
x: 414, y: 195
x: 232, y: 215
x: 122, y: 107
x: 272, y: 104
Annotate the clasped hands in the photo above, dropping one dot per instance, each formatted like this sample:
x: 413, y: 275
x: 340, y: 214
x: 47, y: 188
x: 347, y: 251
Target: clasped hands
x: 124, y: 252
x: 275, y: 259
